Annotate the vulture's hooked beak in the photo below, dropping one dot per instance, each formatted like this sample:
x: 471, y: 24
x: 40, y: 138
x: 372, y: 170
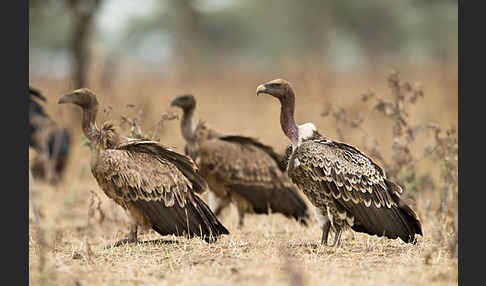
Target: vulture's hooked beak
x: 261, y: 89
x: 174, y: 101
x: 67, y: 98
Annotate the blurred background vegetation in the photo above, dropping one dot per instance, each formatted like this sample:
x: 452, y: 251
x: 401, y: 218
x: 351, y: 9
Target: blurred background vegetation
x: 219, y: 36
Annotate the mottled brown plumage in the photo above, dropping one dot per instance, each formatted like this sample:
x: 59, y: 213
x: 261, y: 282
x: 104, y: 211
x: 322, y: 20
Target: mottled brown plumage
x: 154, y: 184
x: 239, y: 169
x: 347, y: 188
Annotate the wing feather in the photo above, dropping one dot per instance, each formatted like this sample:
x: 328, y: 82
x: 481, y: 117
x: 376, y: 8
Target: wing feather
x: 163, y: 154
x: 279, y: 159
x: 135, y: 175
x: 236, y: 163
x: 357, y: 185
x: 245, y: 168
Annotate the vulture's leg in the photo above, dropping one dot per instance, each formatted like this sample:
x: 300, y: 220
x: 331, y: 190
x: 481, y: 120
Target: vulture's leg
x: 242, y: 206
x: 217, y: 204
x: 34, y: 209
x: 241, y: 216
x: 50, y: 172
x: 132, y: 238
x: 325, y: 232
x: 337, y: 238
x: 324, y: 223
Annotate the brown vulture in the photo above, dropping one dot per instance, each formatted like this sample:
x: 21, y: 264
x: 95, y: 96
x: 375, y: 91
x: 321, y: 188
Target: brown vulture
x: 239, y: 169
x: 51, y: 143
x: 347, y: 188
x: 155, y: 185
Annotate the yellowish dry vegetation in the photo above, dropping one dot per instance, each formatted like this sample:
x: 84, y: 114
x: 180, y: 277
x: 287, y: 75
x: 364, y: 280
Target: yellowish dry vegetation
x: 77, y: 219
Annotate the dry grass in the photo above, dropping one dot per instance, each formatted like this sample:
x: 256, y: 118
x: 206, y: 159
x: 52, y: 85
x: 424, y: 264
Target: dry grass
x: 77, y: 219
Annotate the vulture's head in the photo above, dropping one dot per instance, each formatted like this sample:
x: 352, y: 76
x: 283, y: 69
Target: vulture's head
x: 278, y: 88
x: 83, y: 97
x: 186, y: 102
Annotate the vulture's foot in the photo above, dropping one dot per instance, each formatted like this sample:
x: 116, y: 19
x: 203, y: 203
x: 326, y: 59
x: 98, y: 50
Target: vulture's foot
x: 132, y: 238
x: 121, y: 242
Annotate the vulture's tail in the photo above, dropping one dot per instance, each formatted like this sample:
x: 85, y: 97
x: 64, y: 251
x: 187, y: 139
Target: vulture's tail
x: 397, y: 221
x: 284, y: 200
x: 194, y: 219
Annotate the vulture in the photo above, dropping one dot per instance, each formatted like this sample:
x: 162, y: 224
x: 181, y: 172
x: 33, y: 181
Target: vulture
x: 51, y: 143
x: 347, y: 189
x: 155, y: 185
x: 239, y: 169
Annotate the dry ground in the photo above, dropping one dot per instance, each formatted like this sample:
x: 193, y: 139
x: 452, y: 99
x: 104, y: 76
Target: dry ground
x: 77, y: 220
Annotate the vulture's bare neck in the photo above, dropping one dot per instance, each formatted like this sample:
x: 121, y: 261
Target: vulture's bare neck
x: 287, y: 117
x: 187, y: 125
x: 89, y: 122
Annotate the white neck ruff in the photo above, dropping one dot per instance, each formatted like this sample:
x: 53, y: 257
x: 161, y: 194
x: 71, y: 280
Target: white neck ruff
x: 306, y: 131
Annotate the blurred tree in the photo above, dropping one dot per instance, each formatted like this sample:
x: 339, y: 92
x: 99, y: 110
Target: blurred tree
x: 83, y: 12
x: 190, y: 30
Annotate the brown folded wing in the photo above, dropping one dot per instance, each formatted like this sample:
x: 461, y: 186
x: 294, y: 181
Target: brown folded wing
x: 357, y: 186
